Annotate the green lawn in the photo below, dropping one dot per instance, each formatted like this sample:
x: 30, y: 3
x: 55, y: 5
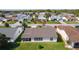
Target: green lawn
x: 29, y: 22
x: 53, y: 22
x: 71, y: 22
x: 11, y: 22
x: 41, y: 46
x: 49, y: 22
x: 4, y: 27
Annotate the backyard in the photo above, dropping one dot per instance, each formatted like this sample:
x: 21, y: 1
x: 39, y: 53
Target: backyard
x: 41, y: 46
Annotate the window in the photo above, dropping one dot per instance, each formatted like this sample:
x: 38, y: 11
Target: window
x: 38, y: 39
x: 76, y: 45
x: 26, y: 39
x: 51, y: 38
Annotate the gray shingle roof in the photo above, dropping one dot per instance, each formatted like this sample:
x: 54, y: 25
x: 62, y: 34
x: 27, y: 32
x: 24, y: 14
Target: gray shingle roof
x: 9, y: 32
x: 46, y: 32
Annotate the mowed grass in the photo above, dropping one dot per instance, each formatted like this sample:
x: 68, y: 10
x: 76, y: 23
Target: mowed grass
x: 11, y: 22
x: 48, y: 22
x: 71, y: 22
x: 53, y: 22
x: 44, y: 46
x: 4, y: 27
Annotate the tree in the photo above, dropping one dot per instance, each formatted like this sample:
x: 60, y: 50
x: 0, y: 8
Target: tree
x: 47, y: 15
x: 3, y: 41
x: 6, y: 24
x: 25, y: 25
x: 20, y: 22
x: 3, y: 15
x: 40, y: 47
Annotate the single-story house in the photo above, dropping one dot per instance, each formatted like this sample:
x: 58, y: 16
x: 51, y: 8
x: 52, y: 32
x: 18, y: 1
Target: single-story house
x: 17, y: 24
x: 3, y: 19
x: 68, y: 17
x: 11, y: 33
x: 8, y: 15
x: 71, y: 18
x: 41, y: 16
x: 73, y: 35
x: 11, y: 18
x: 57, y: 18
x: 77, y: 18
x: 43, y: 34
x: 21, y: 17
x: 54, y: 18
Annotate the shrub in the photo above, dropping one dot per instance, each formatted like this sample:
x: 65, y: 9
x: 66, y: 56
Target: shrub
x: 6, y: 25
x: 3, y: 21
x: 40, y: 47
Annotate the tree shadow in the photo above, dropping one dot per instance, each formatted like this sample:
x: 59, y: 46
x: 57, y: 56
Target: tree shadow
x: 13, y: 45
x: 59, y: 39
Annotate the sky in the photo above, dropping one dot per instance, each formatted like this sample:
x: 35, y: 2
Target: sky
x: 39, y: 4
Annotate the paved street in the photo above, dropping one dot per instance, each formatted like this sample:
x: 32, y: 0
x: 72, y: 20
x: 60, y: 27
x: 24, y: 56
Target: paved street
x: 54, y: 24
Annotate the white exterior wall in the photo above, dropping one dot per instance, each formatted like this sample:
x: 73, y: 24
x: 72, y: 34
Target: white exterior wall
x: 72, y: 44
x: 64, y: 18
x: 15, y: 25
x: 49, y: 18
x: 77, y: 18
x: 54, y: 39
x: 45, y: 40
x: 63, y: 34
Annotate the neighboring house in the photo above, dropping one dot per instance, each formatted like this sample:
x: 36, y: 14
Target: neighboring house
x: 3, y: 19
x: 28, y: 17
x: 64, y: 19
x: 68, y: 17
x: 73, y: 35
x: 17, y: 24
x: 11, y: 33
x: 21, y: 17
x: 56, y: 18
x: 11, y: 18
x: 77, y: 18
x: 41, y: 16
x: 43, y: 34
x: 8, y: 15
x: 71, y: 18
